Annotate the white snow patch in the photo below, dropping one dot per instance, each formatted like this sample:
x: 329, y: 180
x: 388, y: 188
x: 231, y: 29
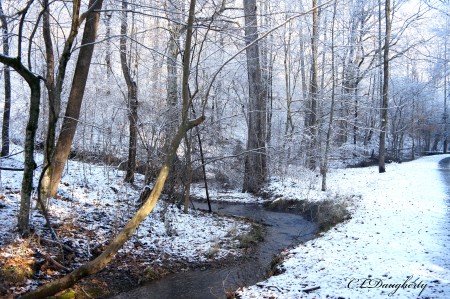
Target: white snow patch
x: 400, y: 230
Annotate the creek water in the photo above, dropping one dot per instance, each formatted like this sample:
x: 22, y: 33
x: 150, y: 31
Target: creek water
x: 282, y: 231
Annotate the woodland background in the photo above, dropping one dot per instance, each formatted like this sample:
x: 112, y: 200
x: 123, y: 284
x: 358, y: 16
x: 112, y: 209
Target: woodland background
x: 280, y: 85
x: 231, y: 92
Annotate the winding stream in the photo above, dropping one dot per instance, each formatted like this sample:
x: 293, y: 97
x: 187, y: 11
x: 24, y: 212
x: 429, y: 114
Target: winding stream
x: 283, y: 230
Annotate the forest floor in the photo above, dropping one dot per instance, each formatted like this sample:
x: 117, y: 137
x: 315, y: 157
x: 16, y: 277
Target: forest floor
x: 91, y: 207
x: 399, y: 228
x: 396, y: 245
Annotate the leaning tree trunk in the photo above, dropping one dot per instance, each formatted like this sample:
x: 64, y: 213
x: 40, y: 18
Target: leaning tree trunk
x: 80, y: 76
x: 54, y: 82
x: 132, y: 97
x: 102, y: 260
x: 255, y: 172
x: 7, y: 80
x: 385, y: 102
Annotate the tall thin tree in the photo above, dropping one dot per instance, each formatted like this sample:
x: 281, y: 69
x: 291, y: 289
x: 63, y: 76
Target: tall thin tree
x: 385, y: 101
x: 311, y: 117
x: 324, y: 166
x: 7, y: 80
x: 132, y: 100
x: 33, y: 82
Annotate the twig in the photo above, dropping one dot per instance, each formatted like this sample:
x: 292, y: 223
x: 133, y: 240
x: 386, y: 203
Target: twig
x: 55, y: 263
x: 51, y: 260
x: 41, y: 203
x: 11, y: 169
x: 89, y: 296
x: 14, y: 154
x: 65, y: 247
x: 308, y: 290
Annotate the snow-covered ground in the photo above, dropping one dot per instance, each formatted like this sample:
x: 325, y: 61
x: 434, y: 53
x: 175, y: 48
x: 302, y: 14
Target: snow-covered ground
x: 397, y: 244
x: 93, y: 205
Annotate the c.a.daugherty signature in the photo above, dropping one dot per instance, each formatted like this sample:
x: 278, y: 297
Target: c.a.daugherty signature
x: 377, y: 283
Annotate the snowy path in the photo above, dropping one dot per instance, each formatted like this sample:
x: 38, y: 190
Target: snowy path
x: 399, y: 230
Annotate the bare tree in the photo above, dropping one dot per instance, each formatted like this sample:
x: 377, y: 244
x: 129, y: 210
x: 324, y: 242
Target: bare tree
x: 255, y: 172
x: 103, y: 259
x: 385, y: 102
x: 311, y: 115
x: 33, y: 82
x: 54, y: 82
x: 324, y: 166
x: 132, y: 100
x: 7, y: 80
x: 72, y: 114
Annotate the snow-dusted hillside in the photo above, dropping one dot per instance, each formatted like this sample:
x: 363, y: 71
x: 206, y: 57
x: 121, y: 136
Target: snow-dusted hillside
x: 92, y: 206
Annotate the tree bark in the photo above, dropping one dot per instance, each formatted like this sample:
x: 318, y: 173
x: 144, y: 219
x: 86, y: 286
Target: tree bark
x: 7, y: 80
x: 30, y: 135
x: 313, y: 90
x: 54, y: 83
x: 132, y: 97
x: 255, y: 172
x: 72, y: 114
x: 324, y: 168
x: 385, y: 102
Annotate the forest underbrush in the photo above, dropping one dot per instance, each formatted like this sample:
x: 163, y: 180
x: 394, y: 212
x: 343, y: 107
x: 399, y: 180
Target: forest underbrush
x: 92, y: 205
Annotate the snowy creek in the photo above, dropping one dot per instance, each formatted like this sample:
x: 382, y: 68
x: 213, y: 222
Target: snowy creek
x: 282, y: 230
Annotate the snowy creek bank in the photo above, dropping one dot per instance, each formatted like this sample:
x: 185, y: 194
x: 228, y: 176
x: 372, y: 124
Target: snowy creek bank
x: 397, y: 240
x: 282, y: 230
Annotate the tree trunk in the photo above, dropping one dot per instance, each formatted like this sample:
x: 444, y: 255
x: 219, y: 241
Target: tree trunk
x: 132, y: 97
x: 54, y: 103
x: 172, y: 99
x: 30, y: 134
x: 7, y: 74
x: 188, y: 174
x: 54, y: 83
x: 313, y: 89
x: 445, y: 143
x: 289, y: 128
x: 324, y: 168
x: 255, y: 173
x: 385, y: 102
x: 102, y: 260
x: 72, y: 114
x: 29, y: 164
